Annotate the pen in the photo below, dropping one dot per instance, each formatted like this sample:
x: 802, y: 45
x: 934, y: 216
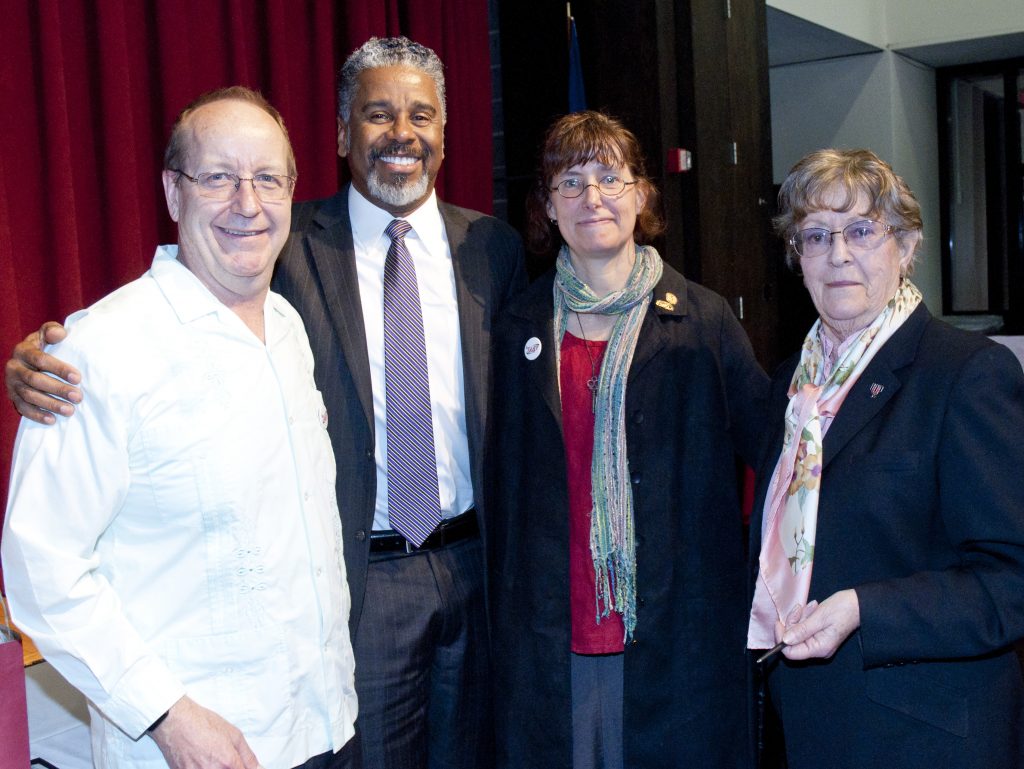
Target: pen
x: 774, y: 650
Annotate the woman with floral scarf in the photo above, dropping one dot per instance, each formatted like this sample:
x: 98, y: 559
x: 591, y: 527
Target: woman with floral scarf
x: 889, y: 537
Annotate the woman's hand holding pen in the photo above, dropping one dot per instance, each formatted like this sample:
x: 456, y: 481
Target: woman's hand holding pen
x: 817, y: 631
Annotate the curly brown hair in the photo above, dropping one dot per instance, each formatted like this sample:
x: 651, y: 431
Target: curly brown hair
x: 575, y: 139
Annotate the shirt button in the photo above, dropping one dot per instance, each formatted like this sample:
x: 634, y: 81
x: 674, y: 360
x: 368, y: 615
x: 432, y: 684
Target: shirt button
x: 319, y: 572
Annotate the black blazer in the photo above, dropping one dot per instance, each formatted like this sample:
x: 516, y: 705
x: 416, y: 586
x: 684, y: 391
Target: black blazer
x: 695, y: 397
x: 316, y: 272
x: 922, y: 512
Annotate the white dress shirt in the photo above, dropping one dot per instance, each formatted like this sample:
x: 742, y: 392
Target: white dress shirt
x: 180, y: 534
x: 428, y: 246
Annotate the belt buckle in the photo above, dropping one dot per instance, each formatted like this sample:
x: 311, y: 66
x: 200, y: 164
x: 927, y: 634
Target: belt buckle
x: 409, y: 549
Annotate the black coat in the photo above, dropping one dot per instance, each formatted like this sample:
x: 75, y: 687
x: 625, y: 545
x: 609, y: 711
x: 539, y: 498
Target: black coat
x: 922, y: 513
x: 694, y: 395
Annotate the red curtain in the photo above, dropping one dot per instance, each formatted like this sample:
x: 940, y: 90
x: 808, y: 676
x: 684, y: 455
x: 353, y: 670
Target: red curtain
x: 89, y: 89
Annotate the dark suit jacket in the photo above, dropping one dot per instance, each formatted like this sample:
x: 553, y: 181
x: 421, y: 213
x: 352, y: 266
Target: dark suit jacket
x: 694, y: 397
x: 922, y: 512
x: 316, y: 272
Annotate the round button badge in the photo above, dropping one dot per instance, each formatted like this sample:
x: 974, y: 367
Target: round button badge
x: 532, y: 348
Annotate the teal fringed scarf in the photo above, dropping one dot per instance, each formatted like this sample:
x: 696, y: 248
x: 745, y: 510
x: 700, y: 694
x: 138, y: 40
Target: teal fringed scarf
x: 612, y: 544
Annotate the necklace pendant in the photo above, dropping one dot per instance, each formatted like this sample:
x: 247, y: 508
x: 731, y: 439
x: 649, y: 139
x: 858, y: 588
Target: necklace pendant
x: 592, y: 382
x: 592, y: 386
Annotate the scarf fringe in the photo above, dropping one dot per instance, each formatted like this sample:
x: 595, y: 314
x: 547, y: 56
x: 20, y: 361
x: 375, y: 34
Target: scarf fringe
x: 612, y: 535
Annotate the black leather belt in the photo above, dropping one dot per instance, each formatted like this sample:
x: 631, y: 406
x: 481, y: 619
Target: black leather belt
x: 448, y: 532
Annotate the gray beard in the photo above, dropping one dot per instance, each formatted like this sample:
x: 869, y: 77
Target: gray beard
x: 397, y: 194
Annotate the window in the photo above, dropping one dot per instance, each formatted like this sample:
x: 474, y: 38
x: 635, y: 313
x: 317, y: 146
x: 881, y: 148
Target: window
x: 981, y: 122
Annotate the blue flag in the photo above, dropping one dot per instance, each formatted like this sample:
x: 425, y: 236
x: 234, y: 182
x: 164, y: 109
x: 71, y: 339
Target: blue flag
x: 577, y: 96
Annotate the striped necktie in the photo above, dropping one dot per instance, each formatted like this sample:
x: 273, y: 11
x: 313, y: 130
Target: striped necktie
x: 414, y: 508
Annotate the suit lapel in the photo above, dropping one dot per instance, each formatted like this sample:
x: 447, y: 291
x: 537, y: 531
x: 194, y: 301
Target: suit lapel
x: 877, y: 385
x: 534, y: 307
x: 472, y: 288
x: 542, y: 372
x: 868, y: 396
x: 333, y: 258
x: 669, y: 298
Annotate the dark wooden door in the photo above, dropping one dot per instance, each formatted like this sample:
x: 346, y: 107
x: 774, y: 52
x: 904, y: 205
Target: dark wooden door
x: 689, y: 75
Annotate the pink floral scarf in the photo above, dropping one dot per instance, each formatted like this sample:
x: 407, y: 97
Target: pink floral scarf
x: 791, y: 506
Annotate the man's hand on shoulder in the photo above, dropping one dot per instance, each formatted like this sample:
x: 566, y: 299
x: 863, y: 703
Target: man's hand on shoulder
x: 35, y: 394
x: 192, y: 737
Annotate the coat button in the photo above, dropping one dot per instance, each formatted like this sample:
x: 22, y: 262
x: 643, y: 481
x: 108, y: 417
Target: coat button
x: 369, y: 453
x: 638, y: 417
x: 635, y: 477
x: 360, y: 535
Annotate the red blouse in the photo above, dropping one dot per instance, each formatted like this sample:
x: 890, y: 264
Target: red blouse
x: 588, y: 635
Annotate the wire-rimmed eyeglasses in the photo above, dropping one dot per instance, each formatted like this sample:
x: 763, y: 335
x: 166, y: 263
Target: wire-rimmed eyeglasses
x: 864, y: 235
x: 608, y: 185
x: 222, y: 185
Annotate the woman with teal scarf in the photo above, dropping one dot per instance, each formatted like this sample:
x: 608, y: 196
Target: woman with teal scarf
x: 622, y: 394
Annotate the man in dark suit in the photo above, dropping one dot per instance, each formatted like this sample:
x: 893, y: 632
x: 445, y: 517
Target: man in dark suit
x: 418, y: 621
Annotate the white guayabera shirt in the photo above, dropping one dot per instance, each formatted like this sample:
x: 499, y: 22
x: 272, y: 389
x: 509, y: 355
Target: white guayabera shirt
x: 180, y: 534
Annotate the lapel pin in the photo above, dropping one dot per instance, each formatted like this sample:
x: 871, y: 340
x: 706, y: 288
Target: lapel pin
x: 668, y: 303
x: 532, y: 348
x: 876, y: 389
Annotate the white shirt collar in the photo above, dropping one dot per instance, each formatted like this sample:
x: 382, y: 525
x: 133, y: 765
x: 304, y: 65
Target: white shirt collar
x: 369, y: 221
x: 187, y: 295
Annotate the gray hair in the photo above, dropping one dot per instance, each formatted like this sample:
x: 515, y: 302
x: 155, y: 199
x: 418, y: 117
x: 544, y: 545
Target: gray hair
x: 380, y: 52
x: 843, y: 174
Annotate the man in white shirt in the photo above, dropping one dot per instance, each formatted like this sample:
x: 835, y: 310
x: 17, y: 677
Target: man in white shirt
x: 175, y: 550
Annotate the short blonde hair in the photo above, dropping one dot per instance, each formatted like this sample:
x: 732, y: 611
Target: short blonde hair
x: 834, y: 174
x: 179, y: 143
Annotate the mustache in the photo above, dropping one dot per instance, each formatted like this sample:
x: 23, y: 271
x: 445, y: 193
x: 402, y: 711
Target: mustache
x: 396, y: 148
